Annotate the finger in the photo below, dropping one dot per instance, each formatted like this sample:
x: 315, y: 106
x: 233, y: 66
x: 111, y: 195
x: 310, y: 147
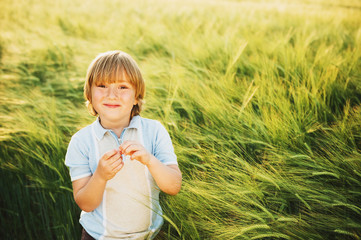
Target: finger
x: 139, y: 155
x: 119, y: 165
x: 114, y: 158
x: 121, y: 150
x: 109, y: 154
x: 132, y: 148
x: 126, y: 144
x: 136, y: 155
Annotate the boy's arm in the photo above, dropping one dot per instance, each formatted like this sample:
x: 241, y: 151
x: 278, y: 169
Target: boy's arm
x: 167, y: 177
x: 88, y: 192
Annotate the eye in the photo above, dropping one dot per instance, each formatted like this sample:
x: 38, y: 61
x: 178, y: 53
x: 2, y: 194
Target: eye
x: 101, y: 86
x: 123, y: 87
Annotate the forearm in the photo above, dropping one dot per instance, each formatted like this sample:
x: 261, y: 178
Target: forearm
x: 168, y: 178
x: 90, y: 195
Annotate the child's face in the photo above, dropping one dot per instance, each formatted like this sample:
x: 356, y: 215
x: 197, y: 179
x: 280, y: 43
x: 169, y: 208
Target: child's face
x: 113, y: 101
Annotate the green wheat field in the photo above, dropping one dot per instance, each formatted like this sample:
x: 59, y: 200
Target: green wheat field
x: 262, y: 100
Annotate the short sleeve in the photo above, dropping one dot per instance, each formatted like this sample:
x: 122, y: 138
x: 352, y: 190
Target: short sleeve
x: 163, y: 148
x: 77, y: 159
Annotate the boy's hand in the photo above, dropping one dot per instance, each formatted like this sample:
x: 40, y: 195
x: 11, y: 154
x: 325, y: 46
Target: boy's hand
x: 110, y: 164
x: 136, y: 151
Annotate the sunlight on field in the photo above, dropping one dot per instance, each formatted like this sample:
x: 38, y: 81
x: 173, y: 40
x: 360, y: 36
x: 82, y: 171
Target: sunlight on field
x: 261, y: 99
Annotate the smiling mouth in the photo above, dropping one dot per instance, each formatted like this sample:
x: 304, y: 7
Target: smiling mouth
x: 112, y: 105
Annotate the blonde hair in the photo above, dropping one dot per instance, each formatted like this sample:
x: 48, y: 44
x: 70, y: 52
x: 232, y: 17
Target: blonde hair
x: 108, y: 68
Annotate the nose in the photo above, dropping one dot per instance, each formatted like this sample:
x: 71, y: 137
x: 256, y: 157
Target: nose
x: 112, y: 92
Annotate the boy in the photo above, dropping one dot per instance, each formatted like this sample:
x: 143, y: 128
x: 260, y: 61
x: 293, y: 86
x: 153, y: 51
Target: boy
x: 119, y: 163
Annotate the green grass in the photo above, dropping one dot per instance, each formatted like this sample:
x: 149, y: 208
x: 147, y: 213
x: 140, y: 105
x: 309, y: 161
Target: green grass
x: 261, y: 99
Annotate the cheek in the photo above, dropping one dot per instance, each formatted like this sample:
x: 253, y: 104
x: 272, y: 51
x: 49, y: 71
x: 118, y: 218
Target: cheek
x: 95, y: 99
x: 96, y: 95
x: 129, y: 96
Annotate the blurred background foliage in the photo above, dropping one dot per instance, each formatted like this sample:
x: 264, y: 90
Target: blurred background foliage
x: 261, y: 99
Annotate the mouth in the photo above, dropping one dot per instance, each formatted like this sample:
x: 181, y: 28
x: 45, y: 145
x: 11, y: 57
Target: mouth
x: 111, y: 105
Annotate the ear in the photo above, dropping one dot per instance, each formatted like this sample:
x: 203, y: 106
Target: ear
x: 135, y: 102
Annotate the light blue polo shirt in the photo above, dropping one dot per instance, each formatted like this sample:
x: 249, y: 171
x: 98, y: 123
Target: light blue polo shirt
x: 130, y: 208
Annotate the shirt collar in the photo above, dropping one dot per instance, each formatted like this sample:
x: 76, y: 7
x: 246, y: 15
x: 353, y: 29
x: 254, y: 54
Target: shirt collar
x: 100, y: 131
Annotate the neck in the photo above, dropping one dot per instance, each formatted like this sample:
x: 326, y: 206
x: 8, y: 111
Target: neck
x: 116, y: 127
